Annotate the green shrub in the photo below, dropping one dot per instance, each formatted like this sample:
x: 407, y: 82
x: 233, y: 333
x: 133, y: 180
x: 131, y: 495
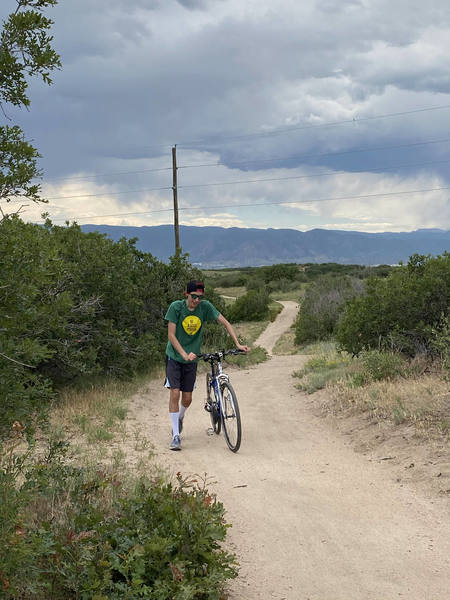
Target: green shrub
x: 320, y: 371
x: 401, y: 311
x: 382, y: 365
x: 252, y: 306
x: 227, y: 280
x: 322, y: 305
x: 441, y: 342
x: 71, y: 532
x: 279, y: 272
x: 73, y: 305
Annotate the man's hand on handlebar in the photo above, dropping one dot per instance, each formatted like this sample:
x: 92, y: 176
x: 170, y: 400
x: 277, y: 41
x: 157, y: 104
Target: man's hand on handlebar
x: 190, y: 357
x: 243, y: 348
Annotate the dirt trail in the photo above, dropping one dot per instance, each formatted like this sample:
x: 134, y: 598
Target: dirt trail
x: 312, y: 519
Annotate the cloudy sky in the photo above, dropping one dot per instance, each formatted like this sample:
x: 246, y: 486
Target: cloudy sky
x: 319, y: 113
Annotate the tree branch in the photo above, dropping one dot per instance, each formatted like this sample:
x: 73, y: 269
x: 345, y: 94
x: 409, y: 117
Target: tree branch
x: 16, y: 361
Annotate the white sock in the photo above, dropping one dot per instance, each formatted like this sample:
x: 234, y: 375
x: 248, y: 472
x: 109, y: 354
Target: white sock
x: 174, y: 416
x: 182, y: 411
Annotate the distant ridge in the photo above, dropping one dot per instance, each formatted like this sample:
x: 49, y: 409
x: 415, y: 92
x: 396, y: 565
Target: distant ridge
x: 219, y: 247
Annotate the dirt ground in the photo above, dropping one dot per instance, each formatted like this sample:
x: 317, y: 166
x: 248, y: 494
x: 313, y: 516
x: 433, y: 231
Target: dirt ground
x: 321, y: 509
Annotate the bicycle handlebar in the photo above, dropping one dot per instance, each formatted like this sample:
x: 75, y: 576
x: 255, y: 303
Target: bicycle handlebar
x: 216, y: 356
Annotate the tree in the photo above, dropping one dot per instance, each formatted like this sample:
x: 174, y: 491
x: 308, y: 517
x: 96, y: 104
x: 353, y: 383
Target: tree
x: 25, y: 51
x: 405, y: 311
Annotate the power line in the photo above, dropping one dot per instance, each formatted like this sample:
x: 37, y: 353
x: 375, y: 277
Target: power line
x: 283, y: 202
x: 109, y: 193
x: 319, y: 155
x: 251, y: 162
x: 284, y: 130
x: 326, y: 174
x: 245, y: 181
x: 82, y: 177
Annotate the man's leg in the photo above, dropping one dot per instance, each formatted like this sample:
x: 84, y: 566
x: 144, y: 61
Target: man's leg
x: 186, y: 399
x: 173, y: 377
x: 174, y: 410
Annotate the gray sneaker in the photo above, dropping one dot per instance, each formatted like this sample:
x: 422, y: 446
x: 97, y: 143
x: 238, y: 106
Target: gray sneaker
x: 176, y: 443
x: 180, y: 425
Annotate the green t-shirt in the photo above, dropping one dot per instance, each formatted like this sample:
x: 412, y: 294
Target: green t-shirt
x: 189, y: 326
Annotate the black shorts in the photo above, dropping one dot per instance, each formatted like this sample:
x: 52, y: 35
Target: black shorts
x: 180, y: 376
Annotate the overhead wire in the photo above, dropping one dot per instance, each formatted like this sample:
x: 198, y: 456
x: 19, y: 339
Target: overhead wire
x: 318, y: 155
x: 280, y: 132
x: 271, y: 133
x: 281, y: 202
x: 232, y: 164
x: 260, y: 180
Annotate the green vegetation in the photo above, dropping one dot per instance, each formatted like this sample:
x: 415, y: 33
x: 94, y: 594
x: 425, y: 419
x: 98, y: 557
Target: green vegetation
x: 322, y: 306
x: 322, y: 370
x: 78, y: 532
x: 26, y: 52
x: 253, y: 306
x: 406, y: 312
x: 385, y: 385
x: 76, y: 305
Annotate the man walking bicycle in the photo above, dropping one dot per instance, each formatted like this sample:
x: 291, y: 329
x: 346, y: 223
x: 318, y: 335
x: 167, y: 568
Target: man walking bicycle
x: 185, y: 332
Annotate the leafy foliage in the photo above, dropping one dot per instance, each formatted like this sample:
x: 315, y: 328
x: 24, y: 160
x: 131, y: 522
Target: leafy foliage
x: 252, y: 306
x: 72, y: 532
x: 74, y: 304
x: 403, y: 312
x: 322, y: 305
x: 25, y: 51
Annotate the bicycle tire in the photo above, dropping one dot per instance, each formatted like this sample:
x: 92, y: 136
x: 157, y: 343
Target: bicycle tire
x: 214, y: 413
x: 231, y: 417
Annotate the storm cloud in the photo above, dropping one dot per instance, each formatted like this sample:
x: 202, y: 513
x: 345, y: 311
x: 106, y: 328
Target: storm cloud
x: 327, y: 100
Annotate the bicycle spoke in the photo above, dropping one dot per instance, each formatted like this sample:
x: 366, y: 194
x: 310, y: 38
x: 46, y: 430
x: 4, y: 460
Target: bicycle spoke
x: 231, y: 419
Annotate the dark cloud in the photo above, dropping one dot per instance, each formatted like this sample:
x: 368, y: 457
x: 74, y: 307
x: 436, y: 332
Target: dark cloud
x: 141, y: 76
x: 192, y: 4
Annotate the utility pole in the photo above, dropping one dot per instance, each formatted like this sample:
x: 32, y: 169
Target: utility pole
x: 175, y: 201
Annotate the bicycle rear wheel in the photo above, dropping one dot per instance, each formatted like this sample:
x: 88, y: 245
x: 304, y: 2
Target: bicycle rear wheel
x: 231, y: 417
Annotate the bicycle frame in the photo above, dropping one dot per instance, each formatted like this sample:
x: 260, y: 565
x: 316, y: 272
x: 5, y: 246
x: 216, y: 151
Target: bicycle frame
x: 221, y: 408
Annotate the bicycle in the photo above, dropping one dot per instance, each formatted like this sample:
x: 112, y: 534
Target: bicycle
x: 221, y: 401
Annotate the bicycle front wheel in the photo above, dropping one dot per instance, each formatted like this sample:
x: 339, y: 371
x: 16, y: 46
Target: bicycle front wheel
x: 231, y: 417
x: 213, y: 406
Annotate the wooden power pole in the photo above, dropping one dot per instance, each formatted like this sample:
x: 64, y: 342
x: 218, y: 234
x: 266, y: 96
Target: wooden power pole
x: 175, y: 201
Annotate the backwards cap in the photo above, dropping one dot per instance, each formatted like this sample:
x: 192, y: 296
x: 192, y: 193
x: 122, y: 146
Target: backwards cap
x: 195, y: 286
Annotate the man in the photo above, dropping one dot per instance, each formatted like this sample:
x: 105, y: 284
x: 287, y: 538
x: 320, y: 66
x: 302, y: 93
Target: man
x: 185, y: 331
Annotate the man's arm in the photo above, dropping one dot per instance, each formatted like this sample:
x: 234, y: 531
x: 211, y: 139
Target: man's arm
x: 221, y: 319
x: 171, y: 330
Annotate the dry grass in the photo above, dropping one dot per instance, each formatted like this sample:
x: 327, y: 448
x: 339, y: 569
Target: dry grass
x: 285, y: 344
x: 94, y: 418
x: 249, y: 331
x: 233, y: 292
x: 295, y: 295
x: 421, y: 401
x: 412, y: 395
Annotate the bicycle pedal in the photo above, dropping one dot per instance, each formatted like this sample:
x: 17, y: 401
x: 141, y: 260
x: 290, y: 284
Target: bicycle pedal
x: 208, y: 407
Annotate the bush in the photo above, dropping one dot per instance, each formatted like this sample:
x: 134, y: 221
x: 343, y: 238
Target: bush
x: 382, y: 365
x: 279, y: 271
x: 402, y: 312
x: 441, y: 342
x: 70, y: 532
x: 253, y: 306
x: 227, y: 280
x: 322, y: 305
x: 76, y: 304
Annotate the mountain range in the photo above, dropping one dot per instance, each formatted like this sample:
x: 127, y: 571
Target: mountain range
x: 219, y: 247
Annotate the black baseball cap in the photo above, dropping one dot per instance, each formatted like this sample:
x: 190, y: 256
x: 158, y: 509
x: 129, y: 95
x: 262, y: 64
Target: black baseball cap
x: 195, y: 286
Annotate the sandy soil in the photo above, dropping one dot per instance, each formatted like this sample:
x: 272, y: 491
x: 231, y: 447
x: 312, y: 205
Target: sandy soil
x: 312, y: 518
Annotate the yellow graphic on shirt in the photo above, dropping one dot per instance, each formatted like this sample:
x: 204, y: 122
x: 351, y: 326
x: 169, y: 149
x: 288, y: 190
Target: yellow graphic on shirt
x: 191, y: 324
